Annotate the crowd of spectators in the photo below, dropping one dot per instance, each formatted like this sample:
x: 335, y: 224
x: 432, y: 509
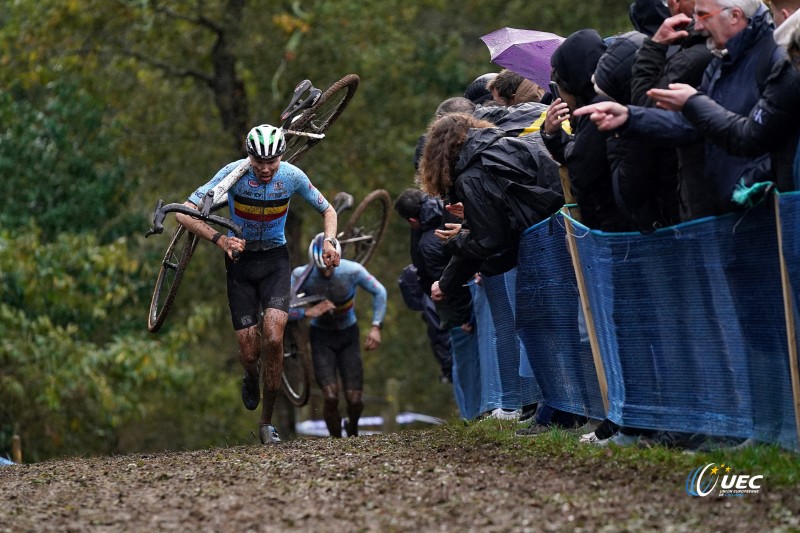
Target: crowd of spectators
x: 694, y: 113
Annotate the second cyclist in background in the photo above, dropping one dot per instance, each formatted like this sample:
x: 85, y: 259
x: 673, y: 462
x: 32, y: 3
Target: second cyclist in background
x: 260, y: 279
x: 335, y: 337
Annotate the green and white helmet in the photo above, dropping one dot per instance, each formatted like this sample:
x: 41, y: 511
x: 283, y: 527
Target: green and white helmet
x: 265, y: 141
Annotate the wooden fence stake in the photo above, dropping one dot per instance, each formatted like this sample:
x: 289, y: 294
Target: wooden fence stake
x: 392, y: 405
x: 16, y: 449
x: 584, y: 296
x: 788, y: 311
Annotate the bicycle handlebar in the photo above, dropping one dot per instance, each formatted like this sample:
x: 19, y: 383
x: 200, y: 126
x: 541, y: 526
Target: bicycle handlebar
x: 203, y: 214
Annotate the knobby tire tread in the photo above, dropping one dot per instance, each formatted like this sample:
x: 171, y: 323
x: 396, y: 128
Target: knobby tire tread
x: 297, y: 146
x: 154, y: 324
x: 296, y: 334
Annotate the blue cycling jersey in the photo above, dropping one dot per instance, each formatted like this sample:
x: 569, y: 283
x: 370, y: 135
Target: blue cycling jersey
x: 261, y: 208
x: 340, y: 289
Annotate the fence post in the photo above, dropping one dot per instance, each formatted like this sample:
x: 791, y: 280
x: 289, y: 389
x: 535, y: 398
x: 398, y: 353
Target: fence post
x: 788, y: 311
x: 16, y: 449
x: 584, y: 297
x: 392, y: 405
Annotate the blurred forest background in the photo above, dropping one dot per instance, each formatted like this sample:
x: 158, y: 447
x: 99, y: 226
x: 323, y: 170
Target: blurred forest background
x: 108, y: 105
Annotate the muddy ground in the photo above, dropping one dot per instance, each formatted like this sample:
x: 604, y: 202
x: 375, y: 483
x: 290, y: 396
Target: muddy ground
x: 433, y: 480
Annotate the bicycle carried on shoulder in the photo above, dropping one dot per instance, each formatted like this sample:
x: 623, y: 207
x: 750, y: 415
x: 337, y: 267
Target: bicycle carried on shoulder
x: 359, y: 239
x: 305, y: 122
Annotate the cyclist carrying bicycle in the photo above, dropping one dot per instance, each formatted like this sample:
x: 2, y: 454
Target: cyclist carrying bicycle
x: 334, y: 330
x: 260, y: 279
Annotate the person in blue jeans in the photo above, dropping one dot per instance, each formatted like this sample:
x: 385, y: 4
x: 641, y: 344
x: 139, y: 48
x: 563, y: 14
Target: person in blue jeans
x: 335, y: 336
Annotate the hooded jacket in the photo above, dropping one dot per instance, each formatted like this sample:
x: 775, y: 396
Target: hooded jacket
x: 584, y: 153
x: 574, y: 62
x: 497, y: 179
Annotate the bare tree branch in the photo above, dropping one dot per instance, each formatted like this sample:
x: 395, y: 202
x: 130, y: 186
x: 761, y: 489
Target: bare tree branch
x: 167, y: 68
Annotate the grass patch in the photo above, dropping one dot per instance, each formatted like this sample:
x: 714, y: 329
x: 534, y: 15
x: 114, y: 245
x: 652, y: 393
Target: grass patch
x: 779, y: 466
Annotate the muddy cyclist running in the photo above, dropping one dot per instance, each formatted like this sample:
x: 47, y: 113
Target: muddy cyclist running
x: 335, y: 337
x: 260, y: 279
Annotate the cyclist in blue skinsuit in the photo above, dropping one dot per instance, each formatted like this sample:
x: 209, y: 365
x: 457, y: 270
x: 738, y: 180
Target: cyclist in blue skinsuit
x: 334, y: 331
x: 259, y: 280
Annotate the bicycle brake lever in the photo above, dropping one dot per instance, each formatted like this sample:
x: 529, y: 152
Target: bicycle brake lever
x: 158, y: 220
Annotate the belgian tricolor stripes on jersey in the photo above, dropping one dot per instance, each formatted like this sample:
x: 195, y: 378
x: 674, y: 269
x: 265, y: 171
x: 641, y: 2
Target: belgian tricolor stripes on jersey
x: 260, y: 210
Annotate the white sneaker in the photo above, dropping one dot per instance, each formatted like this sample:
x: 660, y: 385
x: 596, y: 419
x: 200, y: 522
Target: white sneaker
x: 501, y: 414
x: 588, y: 438
x: 620, y: 439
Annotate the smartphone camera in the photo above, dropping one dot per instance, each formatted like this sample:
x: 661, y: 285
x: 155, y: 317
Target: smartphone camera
x: 554, y: 90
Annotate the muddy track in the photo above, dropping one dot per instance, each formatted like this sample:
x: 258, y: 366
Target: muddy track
x: 409, y: 481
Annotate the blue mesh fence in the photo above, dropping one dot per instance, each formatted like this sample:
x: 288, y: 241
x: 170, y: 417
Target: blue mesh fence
x: 499, y: 347
x: 691, y: 327
x: 548, y: 325
x: 790, y: 227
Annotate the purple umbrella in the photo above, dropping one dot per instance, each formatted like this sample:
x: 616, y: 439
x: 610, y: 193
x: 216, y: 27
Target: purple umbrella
x: 526, y: 52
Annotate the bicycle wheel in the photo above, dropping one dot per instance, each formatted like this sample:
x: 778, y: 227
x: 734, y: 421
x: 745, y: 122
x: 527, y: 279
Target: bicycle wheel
x: 318, y: 118
x: 364, y: 230
x: 179, y: 252
x: 296, y: 376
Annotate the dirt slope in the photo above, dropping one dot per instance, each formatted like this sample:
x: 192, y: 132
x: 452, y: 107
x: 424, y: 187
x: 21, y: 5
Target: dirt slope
x: 409, y: 481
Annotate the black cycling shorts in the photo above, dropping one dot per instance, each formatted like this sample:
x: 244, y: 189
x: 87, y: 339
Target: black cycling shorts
x: 335, y: 350
x: 258, y: 280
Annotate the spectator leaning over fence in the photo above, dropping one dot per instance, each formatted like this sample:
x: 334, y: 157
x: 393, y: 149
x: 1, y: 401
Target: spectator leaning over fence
x: 462, y: 161
x: 648, y: 197
x: 741, y: 33
x: 772, y: 125
x: 335, y: 342
x: 429, y: 257
x: 584, y: 153
x: 676, y: 53
x: 496, y: 178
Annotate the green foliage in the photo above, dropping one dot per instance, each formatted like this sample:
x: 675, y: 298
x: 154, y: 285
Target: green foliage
x: 74, y: 369
x: 74, y: 280
x: 59, y: 163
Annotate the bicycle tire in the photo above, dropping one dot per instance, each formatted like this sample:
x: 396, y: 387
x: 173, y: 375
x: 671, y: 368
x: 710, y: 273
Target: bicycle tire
x: 296, y: 375
x: 366, y: 226
x: 178, y: 254
x: 319, y: 117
